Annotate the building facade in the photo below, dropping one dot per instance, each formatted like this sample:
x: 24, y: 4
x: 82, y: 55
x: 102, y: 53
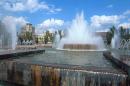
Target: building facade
x: 27, y: 35
x: 39, y: 38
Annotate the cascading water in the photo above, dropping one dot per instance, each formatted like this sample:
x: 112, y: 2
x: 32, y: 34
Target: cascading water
x: 59, y: 75
x: 79, y: 33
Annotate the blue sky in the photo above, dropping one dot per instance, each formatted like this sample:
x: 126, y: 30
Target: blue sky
x: 38, y: 11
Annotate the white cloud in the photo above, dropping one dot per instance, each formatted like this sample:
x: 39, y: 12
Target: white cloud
x: 0, y: 16
x: 110, y: 6
x: 103, y: 30
x: 29, y: 5
x: 125, y: 25
x: 49, y: 24
x: 126, y: 12
x: 129, y: 19
x: 53, y: 22
x: 98, y: 21
x: 10, y: 20
x: 104, y: 22
x: 14, y: 7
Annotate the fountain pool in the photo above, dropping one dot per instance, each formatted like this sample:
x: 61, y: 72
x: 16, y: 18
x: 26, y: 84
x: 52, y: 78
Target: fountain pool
x: 84, y: 58
x: 66, y: 68
x: 62, y: 68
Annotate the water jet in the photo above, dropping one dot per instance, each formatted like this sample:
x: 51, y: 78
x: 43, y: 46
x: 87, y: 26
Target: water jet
x: 80, y: 37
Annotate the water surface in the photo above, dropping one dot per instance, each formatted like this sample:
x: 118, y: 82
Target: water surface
x: 83, y: 58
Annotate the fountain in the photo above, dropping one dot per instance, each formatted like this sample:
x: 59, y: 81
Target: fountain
x: 5, y: 37
x: 65, y: 68
x: 10, y: 27
x: 79, y: 37
x: 8, y: 33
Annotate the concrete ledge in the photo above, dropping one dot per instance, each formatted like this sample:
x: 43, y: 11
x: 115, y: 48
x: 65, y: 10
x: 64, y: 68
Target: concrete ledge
x: 80, y: 46
x: 116, y: 61
x: 13, y: 53
x: 29, y: 74
x: 119, y: 63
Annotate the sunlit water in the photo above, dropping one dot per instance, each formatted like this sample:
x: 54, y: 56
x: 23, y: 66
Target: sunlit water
x: 84, y: 58
x: 64, y: 68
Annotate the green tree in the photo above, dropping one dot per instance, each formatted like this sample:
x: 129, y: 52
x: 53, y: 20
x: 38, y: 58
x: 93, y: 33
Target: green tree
x: 46, y: 37
x: 108, y: 37
x: 36, y: 40
x: 51, y: 37
x: 60, y: 33
x: 112, y: 30
x: 29, y: 36
x: 110, y: 34
x: 124, y: 33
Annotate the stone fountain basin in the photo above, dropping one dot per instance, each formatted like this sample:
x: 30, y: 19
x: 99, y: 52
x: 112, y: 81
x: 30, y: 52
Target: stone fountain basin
x: 62, y: 68
x: 80, y: 46
x: 40, y: 74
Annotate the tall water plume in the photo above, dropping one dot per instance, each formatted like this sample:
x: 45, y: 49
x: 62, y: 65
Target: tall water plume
x: 79, y: 33
x: 5, y: 37
x: 9, y: 25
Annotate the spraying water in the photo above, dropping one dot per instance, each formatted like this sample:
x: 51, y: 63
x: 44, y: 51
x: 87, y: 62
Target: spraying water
x: 10, y: 28
x: 79, y: 33
x: 115, y: 43
x: 9, y: 36
x: 5, y: 37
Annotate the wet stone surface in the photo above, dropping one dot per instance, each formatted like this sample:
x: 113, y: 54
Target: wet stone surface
x: 62, y: 68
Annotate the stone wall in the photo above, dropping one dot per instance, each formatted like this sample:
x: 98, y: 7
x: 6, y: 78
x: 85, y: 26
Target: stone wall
x: 28, y: 74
